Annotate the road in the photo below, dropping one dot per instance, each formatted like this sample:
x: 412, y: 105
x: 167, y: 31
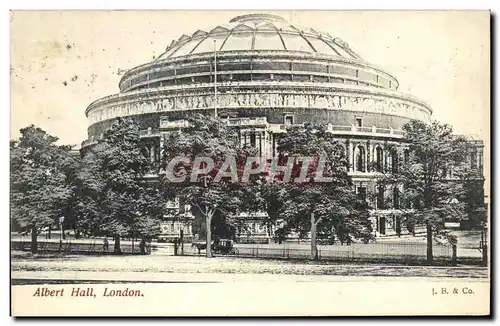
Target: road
x: 219, y: 269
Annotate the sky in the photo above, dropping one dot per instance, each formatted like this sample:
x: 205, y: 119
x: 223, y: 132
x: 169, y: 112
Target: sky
x: 61, y: 61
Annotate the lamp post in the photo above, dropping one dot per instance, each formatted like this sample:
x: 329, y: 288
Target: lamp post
x: 61, y: 220
x: 484, y: 243
x: 215, y: 77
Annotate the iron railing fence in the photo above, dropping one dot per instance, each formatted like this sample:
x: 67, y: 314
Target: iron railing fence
x: 352, y: 252
x: 78, y: 247
x: 396, y: 251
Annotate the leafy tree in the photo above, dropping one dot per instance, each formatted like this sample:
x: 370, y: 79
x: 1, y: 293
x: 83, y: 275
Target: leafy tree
x: 261, y: 196
x: 207, y: 196
x: 39, y: 180
x: 474, y: 201
x: 114, y: 197
x: 433, y: 176
x: 328, y: 205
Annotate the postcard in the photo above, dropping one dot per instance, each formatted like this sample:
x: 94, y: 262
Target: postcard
x: 260, y: 163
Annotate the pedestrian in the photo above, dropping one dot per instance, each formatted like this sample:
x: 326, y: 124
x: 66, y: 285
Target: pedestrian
x: 142, y: 246
x: 105, y: 246
x: 176, y: 246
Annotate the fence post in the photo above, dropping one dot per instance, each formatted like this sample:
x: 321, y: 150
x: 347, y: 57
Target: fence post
x: 454, y: 254
x: 182, y: 242
x: 485, y: 254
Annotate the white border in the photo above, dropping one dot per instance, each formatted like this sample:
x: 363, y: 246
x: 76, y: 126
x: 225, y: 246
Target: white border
x: 186, y: 4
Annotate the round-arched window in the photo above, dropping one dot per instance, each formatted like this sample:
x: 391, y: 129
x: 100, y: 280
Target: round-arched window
x: 359, y: 159
x: 379, y: 159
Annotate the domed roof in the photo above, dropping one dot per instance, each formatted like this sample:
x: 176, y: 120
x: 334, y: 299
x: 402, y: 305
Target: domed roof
x: 258, y: 32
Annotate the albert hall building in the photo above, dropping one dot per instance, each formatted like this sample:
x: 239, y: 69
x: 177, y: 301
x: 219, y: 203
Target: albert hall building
x: 264, y: 74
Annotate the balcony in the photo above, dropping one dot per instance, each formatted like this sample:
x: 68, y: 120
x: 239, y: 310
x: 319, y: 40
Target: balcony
x: 365, y: 131
x: 149, y: 133
x: 367, y: 175
x: 277, y: 128
x: 333, y: 128
x: 176, y: 124
x: 260, y: 121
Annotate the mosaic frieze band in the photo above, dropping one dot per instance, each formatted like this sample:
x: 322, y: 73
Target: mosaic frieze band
x: 260, y: 100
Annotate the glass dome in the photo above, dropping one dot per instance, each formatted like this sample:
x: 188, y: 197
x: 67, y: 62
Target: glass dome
x: 256, y: 32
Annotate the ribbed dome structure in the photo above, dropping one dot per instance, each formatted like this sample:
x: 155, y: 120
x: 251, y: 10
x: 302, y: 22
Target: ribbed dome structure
x: 258, y: 32
x: 260, y: 70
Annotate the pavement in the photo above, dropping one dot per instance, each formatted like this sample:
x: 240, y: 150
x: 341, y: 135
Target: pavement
x: 218, y: 269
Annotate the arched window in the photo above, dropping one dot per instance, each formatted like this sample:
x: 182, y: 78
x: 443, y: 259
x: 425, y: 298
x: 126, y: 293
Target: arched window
x: 394, y: 160
x: 473, y: 160
x: 359, y: 158
x: 379, y: 159
x: 395, y: 198
x: 380, y: 197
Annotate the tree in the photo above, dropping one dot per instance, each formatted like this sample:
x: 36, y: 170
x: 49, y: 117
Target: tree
x: 114, y: 197
x: 474, y: 201
x: 192, y: 158
x: 89, y: 187
x: 432, y: 176
x: 324, y: 199
x: 267, y: 197
x: 39, y: 180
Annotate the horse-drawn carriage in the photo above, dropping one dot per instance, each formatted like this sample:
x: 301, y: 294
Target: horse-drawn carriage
x: 219, y: 246
x: 224, y: 247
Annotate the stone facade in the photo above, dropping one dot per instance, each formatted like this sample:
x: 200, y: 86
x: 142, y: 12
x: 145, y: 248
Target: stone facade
x: 270, y: 75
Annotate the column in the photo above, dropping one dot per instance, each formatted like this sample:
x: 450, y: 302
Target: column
x: 160, y: 151
x: 350, y: 155
x: 264, y: 142
x: 157, y: 151
x: 269, y: 145
x: 386, y: 154
x: 368, y: 156
x: 260, y: 144
x: 480, y: 160
x: 152, y: 153
x: 275, y: 147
